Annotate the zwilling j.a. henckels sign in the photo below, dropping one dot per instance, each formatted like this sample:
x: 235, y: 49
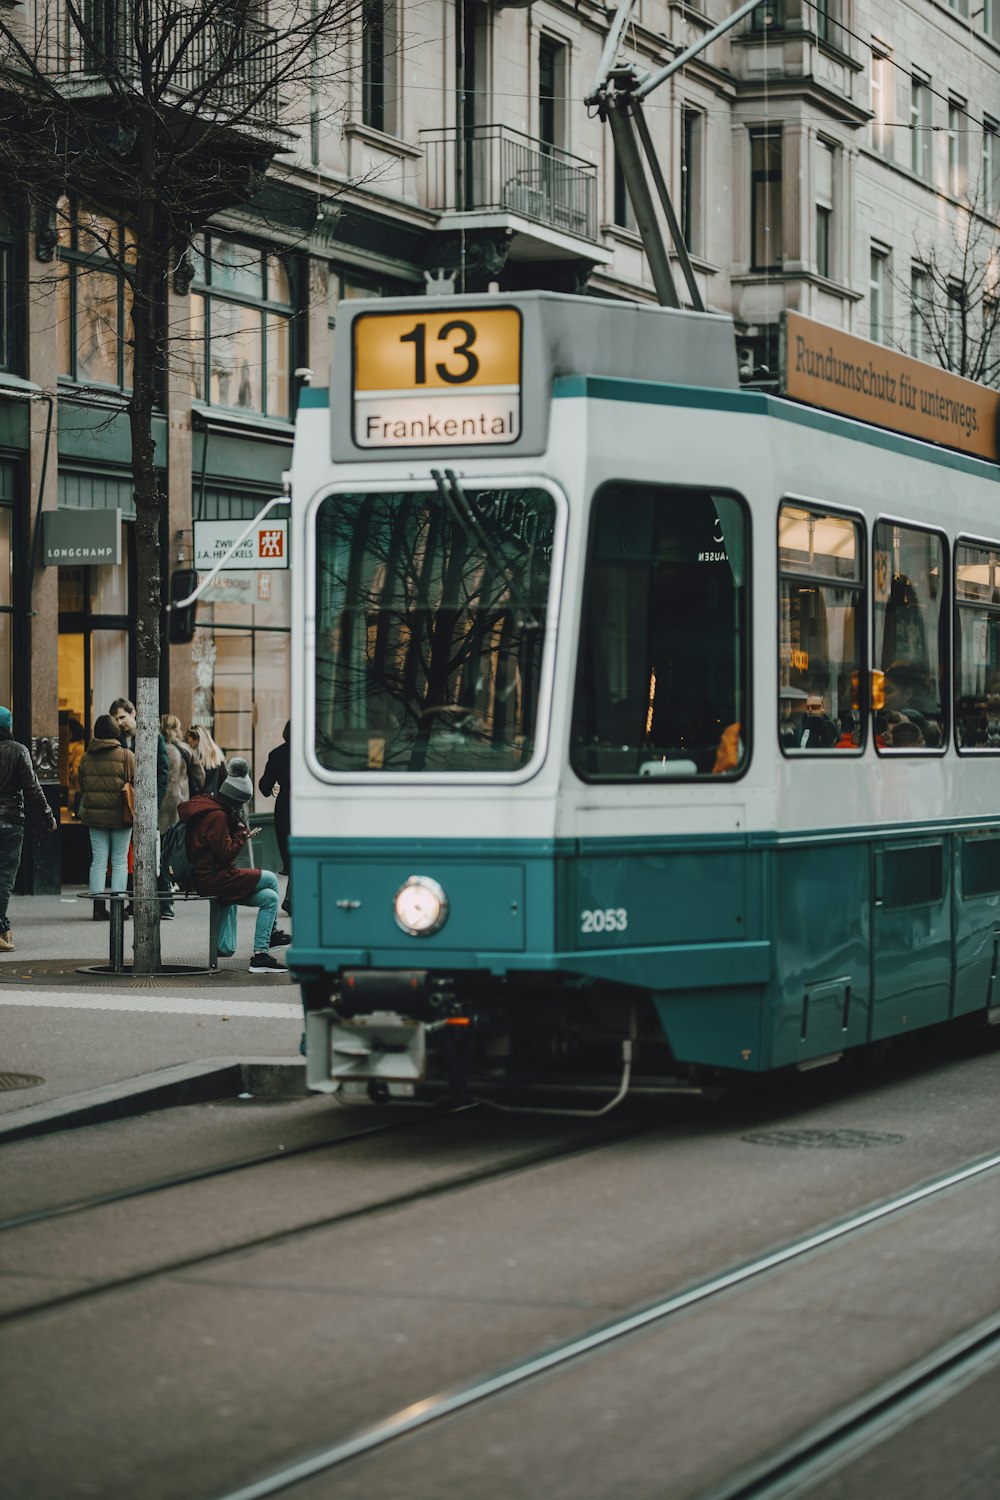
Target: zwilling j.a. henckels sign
x: 265, y: 547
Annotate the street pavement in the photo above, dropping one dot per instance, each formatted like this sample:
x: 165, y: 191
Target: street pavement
x: 90, y: 1037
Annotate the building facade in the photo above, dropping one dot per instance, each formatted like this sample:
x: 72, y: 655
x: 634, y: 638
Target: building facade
x: 840, y: 158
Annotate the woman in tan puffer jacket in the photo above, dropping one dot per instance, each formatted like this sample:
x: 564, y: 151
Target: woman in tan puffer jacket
x: 104, y: 770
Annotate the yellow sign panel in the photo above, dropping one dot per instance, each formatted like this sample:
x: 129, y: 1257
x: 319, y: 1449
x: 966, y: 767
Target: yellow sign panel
x: 824, y: 367
x: 443, y: 377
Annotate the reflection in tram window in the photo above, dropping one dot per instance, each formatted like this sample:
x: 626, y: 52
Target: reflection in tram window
x: 661, y: 687
x: 430, y: 623
x: 909, y: 589
x: 821, y: 631
x: 977, y: 646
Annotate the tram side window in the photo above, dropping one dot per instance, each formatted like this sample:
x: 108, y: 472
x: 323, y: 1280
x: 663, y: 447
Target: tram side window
x: 661, y: 684
x: 977, y: 646
x: 909, y: 592
x: 821, y: 646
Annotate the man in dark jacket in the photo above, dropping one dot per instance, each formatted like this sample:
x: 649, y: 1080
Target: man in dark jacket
x: 216, y: 834
x: 17, y: 782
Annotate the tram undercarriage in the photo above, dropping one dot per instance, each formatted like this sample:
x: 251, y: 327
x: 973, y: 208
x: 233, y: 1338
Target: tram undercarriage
x: 414, y: 1034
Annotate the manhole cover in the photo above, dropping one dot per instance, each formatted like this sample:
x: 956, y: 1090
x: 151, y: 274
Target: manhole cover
x: 19, y: 1081
x: 822, y: 1140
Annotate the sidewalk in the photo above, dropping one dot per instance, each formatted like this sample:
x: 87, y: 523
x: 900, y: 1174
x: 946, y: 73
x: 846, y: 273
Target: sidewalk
x: 103, y: 1045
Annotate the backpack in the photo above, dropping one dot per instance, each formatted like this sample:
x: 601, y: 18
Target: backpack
x: 174, y: 854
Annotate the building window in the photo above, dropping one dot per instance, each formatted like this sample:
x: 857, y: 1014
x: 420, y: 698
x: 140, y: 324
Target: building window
x: 241, y: 327
x: 7, y: 330
x: 551, y: 92
x: 93, y: 300
x: 825, y: 17
x: 765, y: 200
x: 768, y: 17
x: 955, y: 330
x: 623, y: 210
x: 919, y: 312
x: 378, y: 62
x: 920, y: 127
x: 878, y: 96
x: 961, y: 6
x: 991, y: 166
x: 957, y: 152
x: 991, y: 19
x: 878, y: 291
x: 824, y: 164
x: 692, y: 179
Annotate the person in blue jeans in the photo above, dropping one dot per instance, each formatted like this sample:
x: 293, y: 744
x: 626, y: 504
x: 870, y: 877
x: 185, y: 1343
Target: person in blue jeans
x: 18, y: 784
x: 104, y: 770
x: 217, y: 832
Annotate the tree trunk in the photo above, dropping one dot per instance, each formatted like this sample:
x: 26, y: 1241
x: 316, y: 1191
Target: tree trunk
x: 149, y: 281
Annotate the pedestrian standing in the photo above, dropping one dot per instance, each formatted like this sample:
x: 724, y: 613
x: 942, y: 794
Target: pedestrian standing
x: 278, y: 773
x: 18, y: 784
x: 217, y: 832
x: 208, y: 757
x: 106, y: 766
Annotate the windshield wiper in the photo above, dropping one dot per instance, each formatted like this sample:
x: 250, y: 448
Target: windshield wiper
x: 454, y: 497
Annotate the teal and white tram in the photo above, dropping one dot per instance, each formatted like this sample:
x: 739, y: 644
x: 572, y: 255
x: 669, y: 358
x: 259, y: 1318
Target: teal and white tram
x: 646, y: 728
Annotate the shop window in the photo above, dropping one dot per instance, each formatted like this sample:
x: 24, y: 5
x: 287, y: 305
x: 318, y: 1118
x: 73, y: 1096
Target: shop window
x: 94, y: 633
x: 93, y: 298
x: 241, y: 327
x: 910, y: 628
x: 662, y: 683
x: 766, y: 240
x: 977, y: 646
x: 821, y: 645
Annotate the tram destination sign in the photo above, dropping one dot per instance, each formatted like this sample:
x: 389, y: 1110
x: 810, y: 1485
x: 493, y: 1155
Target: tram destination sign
x: 437, y: 379
x: 824, y: 367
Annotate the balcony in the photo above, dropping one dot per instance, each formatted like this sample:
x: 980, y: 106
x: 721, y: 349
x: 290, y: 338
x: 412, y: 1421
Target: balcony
x: 491, y: 170
x: 205, y: 63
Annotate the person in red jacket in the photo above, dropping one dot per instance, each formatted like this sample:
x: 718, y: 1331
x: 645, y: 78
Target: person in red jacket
x: 217, y: 831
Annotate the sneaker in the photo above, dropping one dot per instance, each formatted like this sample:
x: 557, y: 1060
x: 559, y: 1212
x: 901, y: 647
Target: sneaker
x: 8, y: 938
x: 279, y: 939
x: 265, y: 963
x: 6, y: 946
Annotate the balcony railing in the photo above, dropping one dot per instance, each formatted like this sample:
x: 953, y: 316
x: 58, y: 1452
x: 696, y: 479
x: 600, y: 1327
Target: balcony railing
x: 208, y: 59
x: 492, y: 167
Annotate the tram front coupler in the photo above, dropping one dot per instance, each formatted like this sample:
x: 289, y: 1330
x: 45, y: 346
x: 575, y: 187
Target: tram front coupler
x: 376, y: 1030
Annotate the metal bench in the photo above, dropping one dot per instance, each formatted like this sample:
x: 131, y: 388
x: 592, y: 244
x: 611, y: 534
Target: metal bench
x: 117, y: 901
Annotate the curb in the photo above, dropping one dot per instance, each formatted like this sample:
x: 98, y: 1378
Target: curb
x: 186, y: 1083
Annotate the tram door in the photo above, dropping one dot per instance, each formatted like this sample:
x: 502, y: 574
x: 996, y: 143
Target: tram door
x: 911, y: 937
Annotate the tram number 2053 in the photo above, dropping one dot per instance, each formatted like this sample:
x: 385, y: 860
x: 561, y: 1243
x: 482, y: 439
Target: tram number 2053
x: 604, y: 919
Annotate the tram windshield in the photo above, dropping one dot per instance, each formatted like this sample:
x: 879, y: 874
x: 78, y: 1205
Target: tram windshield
x: 430, y: 615
x: 661, y: 687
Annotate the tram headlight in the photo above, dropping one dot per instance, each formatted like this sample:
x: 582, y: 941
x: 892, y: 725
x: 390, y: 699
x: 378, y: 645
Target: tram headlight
x: 420, y: 906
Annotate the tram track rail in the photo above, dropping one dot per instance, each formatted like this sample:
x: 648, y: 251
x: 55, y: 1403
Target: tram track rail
x: 223, y: 1169
x: 855, y: 1429
x: 510, y: 1167
x: 424, y: 1411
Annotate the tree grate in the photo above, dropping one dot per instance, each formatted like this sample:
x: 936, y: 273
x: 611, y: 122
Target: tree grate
x: 9, y: 1081
x: 823, y: 1140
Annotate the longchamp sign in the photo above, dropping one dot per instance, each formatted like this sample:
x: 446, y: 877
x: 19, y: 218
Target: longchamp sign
x: 72, y: 537
x: 824, y: 367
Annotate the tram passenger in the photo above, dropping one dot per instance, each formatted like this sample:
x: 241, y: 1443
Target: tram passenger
x: 730, y: 752
x: 849, y: 733
x: 790, y: 717
x: 903, y: 733
x: 819, y: 732
x: 278, y: 773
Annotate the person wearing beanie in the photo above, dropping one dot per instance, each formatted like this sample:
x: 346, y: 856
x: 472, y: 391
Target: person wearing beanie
x: 18, y: 785
x: 216, y: 833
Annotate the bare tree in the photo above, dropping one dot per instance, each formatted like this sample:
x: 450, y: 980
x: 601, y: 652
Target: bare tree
x: 155, y: 114
x: 954, y: 294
